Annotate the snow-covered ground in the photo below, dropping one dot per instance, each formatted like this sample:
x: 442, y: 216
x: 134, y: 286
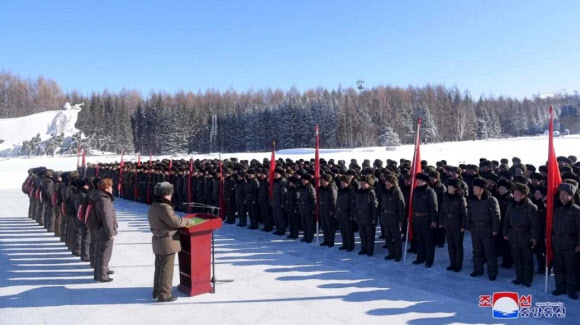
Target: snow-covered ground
x: 277, y: 281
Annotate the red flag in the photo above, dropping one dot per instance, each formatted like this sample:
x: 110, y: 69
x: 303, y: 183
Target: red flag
x: 78, y: 157
x: 139, y: 159
x: 221, y: 198
x: 415, y: 169
x: 150, y: 159
x: 120, y: 183
x: 272, y: 168
x: 97, y: 170
x: 317, y: 168
x: 554, y: 180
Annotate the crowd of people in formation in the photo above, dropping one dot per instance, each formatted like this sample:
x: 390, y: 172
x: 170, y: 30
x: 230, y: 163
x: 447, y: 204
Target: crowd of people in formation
x: 502, y: 205
x: 77, y: 209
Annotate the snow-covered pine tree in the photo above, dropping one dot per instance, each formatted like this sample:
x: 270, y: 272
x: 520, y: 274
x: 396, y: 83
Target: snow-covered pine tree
x: 389, y: 137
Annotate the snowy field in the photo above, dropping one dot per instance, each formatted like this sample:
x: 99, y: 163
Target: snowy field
x: 532, y: 150
x: 277, y: 281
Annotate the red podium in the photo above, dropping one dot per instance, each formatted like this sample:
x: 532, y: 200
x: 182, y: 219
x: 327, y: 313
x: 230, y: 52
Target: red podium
x: 195, y: 255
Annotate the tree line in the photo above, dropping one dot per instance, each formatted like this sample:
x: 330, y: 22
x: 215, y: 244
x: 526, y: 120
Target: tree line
x: 249, y: 121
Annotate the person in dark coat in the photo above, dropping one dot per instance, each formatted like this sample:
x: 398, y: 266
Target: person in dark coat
x: 440, y: 189
x: 327, y: 204
x: 452, y: 218
x: 71, y: 224
x: 504, y: 197
x: 164, y: 225
x: 392, y: 214
x: 252, y: 193
x: 566, y: 241
x: 425, y: 217
x: 307, y: 207
x: 539, y: 200
x: 344, y: 213
x: 48, y: 192
x: 291, y: 207
x: 522, y: 230
x: 229, y: 196
x: 483, y: 222
x: 241, y: 199
x: 264, y: 202
x: 278, y: 191
x: 104, y: 212
x: 82, y: 238
x: 365, y: 213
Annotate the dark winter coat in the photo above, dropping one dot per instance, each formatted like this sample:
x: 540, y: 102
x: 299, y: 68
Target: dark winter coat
x: 366, y: 206
x: 279, y: 189
x: 521, y: 223
x: 425, y: 209
x: 392, y: 206
x: 483, y: 212
x: 453, y: 212
x: 105, y: 212
x: 345, y: 204
x: 566, y: 226
x: 307, y: 200
x: 327, y: 197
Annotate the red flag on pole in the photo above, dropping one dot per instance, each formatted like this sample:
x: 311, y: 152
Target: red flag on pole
x: 415, y: 169
x: 139, y: 159
x: 120, y: 183
x: 317, y: 169
x: 150, y: 159
x: 84, y: 158
x: 272, y: 168
x: 78, y: 157
x: 221, y: 198
x: 554, y: 180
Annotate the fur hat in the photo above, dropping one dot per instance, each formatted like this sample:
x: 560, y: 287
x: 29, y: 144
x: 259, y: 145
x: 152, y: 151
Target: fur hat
x: 521, y: 188
x: 492, y: 177
x: 79, y: 182
x: 307, y: 177
x: 163, y: 188
x: 279, y: 170
x: 326, y: 177
x: 423, y: 177
x: 537, y: 176
x: 454, y: 182
x: 568, y: 188
x: 368, y: 179
x: 391, y: 178
x: 504, y: 183
x: 343, y: 179
x: 480, y: 182
x: 434, y: 174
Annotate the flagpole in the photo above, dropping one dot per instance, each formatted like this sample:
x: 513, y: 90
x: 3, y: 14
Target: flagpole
x: 413, y: 176
x: 553, y: 181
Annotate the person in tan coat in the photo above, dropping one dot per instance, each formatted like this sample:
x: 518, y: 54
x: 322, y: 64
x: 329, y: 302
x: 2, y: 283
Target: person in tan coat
x: 164, y: 224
